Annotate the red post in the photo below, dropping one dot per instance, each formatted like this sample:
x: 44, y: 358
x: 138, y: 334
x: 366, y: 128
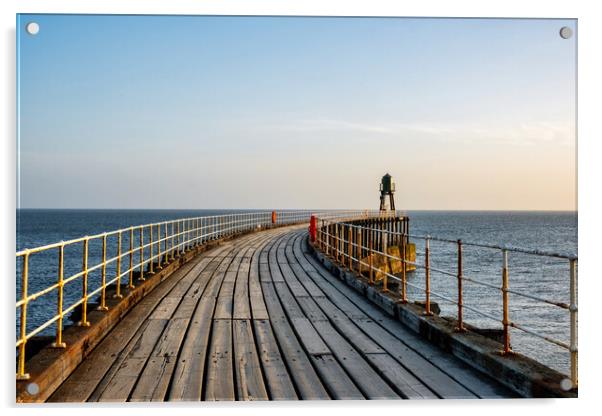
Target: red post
x: 313, y: 229
x: 273, y: 217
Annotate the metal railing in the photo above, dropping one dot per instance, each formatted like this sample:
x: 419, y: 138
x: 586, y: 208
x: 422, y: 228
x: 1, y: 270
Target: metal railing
x: 357, y: 244
x: 148, y: 248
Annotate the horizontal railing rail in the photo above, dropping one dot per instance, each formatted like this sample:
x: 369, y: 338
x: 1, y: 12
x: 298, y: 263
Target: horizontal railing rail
x: 136, y: 251
x: 355, y: 246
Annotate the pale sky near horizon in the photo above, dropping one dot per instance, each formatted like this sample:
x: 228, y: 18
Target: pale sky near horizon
x: 290, y: 112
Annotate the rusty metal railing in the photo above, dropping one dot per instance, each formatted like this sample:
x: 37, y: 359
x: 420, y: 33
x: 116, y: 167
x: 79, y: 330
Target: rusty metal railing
x: 356, y: 246
x: 150, y: 247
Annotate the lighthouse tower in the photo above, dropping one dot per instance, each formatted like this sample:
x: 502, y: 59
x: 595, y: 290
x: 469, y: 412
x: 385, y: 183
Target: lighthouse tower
x: 387, y: 187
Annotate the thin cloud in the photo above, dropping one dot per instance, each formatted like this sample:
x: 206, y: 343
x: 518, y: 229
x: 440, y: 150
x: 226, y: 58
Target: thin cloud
x: 529, y: 133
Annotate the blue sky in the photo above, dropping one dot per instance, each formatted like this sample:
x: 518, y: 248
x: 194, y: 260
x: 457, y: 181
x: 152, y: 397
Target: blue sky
x: 284, y: 112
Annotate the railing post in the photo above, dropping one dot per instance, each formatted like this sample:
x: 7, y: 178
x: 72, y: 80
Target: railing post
x: 358, y: 241
x: 177, y: 238
x: 336, y: 242
x: 84, y: 319
x: 173, y: 234
x: 103, y: 290
x: 141, y: 277
x: 150, y: 251
x: 118, y: 268
x: 403, y: 285
x: 166, y: 245
x: 505, y: 312
x: 21, y: 374
x: 573, y: 311
x: 350, y: 248
x: 131, y: 273
x: 383, y: 239
x: 460, y: 327
x: 427, y: 274
x: 159, y: 254
x: 370, y: 260
x: 327, y: 240
x: 58, y: 342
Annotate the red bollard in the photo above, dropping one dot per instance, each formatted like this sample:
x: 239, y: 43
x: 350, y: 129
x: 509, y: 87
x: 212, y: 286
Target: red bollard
x: 313, y: 229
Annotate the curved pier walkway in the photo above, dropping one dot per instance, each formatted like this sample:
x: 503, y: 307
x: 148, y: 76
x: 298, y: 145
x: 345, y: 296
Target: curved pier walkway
x: 257, y: 318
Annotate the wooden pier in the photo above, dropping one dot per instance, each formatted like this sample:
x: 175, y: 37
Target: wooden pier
x: 258, y: 318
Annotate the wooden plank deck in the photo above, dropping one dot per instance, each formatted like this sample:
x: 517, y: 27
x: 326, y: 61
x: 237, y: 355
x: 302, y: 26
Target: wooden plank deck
x: 257, y: 318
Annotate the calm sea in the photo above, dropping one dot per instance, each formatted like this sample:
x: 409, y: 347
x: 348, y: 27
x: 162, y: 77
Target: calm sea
x: 540, y: 276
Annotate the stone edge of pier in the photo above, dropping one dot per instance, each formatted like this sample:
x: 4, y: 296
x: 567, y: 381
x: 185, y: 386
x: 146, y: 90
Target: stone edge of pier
x: 521, y: 374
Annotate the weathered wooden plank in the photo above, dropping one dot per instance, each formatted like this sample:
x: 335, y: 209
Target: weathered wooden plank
x: 220, y: 374
x: 129, y: 365
x: 310, y: 338
x: 295, y: 286
x: 249, y: 378
x: 302, y: 372
x: 187, y: 383
x: 153, y: 383
x: 275, y: 310
x: 171, y: 338
x: 277, y: 379
x: 362, y: 374
x: 308, y: 284
x: 223, y: 308
x: 292, y: 308
x: 121, y: 385
x: 242, y: 308
x: 258, y: 307
x: 336, y: 381
x: 264, y: 272
x: 166, y: 308
x: 311, y: 309
x: 408, y: 386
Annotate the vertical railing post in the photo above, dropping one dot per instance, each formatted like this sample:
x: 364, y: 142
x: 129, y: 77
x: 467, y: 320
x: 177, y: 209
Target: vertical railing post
x: 166, y: 246
x: 350, y: 248
x: 370, y: 255
x: 383, y: 239
x: 177, y: 238
x: 573, y: 309
x: 358, y: 241
x: 131, y: 271
x: 460, y: 327
x: 150, y: 251
x: 159, y: 254
x: 336, y: 242
x: 21, y: 374
x: 427, y: 274
x: 185, y: 236
x: 84, y: 318
x: 173, y: 234
x: 319, y: 235
x: 118, y: 268
x: 103, y: 290
x: 326, y: 238
x: 403, y: 285
x: 505, y: 306
x: 141, y: 250
x: 58, y: 342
